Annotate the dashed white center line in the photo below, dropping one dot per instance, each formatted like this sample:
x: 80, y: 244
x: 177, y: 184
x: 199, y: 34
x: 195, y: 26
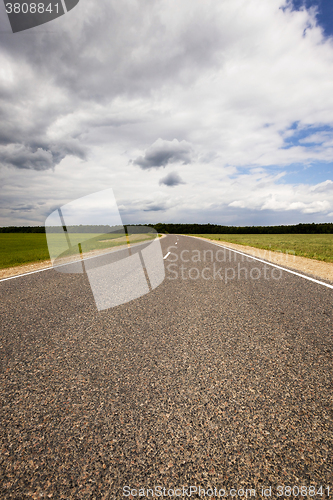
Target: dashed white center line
x: 167, y: 255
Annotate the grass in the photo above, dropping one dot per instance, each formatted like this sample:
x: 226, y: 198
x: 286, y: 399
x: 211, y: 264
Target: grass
x: 312, y: 246
x: 23, y: 248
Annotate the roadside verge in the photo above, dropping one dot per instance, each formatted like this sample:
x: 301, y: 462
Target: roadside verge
x: 33, y: 267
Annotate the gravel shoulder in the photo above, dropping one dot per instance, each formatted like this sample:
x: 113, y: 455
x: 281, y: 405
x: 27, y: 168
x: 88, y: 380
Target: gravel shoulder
x: 26, y: 268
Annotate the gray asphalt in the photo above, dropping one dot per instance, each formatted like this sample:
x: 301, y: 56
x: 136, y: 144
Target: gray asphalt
x: 201, y: 382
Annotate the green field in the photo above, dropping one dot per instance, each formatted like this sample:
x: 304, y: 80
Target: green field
x: 23, y: 248
x: 312, y: 246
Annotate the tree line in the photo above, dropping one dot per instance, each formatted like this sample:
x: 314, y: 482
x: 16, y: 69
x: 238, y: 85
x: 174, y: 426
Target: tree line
x: 312, y: 228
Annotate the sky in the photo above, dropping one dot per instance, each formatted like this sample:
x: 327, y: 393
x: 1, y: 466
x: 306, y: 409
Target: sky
x: 208, y: 112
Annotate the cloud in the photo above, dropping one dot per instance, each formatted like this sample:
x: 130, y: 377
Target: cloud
x: 24, y: 208
x: 154, y: 208
x: 221, y: 84
x: 37, y: 158
x: 172, y: 179
x: 29, y: 106
x: 261, y: 192
x: 162, y: 153
x: 323, y: 187
x: 19, y: 156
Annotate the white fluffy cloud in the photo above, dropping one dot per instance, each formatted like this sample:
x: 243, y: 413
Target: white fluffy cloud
x: 229, y: 95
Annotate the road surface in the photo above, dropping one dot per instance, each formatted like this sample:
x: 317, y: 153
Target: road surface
x: 213, y: 379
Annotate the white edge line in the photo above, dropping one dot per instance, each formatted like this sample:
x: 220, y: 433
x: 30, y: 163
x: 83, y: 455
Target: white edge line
x: 265, y: 262
x: 26, y: 274
x: 74, y: 262
x: 167, y: 255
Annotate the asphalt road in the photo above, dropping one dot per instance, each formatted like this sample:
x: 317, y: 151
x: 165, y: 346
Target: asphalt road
x: 205, y: 381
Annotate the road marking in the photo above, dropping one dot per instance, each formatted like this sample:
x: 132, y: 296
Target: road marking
x: 26, y: 274
x: 166, y: 255
x: 269, y: 263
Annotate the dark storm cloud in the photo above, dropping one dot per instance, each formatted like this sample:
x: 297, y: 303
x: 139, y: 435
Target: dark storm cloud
x: 172, y: 179
x: 19, y: 156
x: 161, y: 153
x: 37, y: 158
x: 154, y: 207
x: 29, y: 110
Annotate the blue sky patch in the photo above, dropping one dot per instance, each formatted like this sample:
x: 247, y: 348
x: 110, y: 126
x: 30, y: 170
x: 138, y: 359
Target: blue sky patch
x: 324, y: 15
x: 314, y: 174
x: 309, y: 137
